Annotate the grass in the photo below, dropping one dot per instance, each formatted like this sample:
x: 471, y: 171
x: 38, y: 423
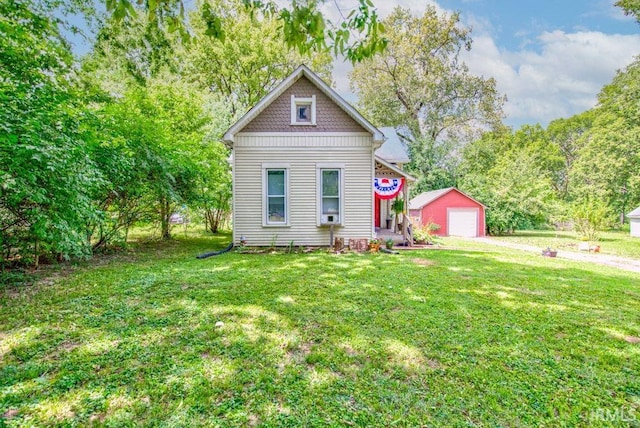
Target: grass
x: 433, y: 337
x: 614, y: 243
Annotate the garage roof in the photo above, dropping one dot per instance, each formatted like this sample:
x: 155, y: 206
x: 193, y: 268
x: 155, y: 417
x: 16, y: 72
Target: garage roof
x: 635, y: 213
x: 426, y: 198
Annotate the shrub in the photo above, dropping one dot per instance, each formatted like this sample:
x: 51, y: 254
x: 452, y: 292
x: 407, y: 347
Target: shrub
x: 590, y: 217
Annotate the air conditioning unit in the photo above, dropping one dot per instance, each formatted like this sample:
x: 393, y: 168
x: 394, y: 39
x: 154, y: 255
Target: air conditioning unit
x: 330, y: 219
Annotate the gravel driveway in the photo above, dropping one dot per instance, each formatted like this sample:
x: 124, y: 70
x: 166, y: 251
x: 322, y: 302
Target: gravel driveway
x: 622, y: 263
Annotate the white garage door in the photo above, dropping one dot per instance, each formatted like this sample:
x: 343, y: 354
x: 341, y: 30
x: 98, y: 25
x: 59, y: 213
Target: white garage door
x: 463, y: 222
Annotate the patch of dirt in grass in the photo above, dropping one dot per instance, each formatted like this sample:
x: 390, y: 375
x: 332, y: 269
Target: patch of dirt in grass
x: 254, y: 420
x: 348, y: 349
x: 561, y: 335
x: 632, y: 294
x: 10, y: 414
x: 434, y: 364
x: 97, y: 418
x: 632, y: 339
x: 296, y: 356
x: 423, y: 262
x: 299, y: 354
x: 68, y: 346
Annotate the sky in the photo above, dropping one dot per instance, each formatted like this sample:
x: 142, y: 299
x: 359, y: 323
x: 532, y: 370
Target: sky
x: 550, y: 58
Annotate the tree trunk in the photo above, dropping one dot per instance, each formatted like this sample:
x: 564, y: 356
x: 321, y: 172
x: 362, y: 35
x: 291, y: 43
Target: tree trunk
x: 164, y: 218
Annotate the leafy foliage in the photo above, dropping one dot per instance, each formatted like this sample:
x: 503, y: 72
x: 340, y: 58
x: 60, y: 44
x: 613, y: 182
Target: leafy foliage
x: 241, y: 67
x: 511, y: 175
x: 630, y: 7
x: 590, y: 217
x: 46, y: 175
x: 609, y: 160
x: 302, y: 25
x: 420, y: 85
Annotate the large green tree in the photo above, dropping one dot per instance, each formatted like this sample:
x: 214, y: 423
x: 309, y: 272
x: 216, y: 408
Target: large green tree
x: 243, y: 68
x: 513, y: 174
x: 46, y: 176
x: 609, y: 160
x: 420, y: 85
x: 568, y: 136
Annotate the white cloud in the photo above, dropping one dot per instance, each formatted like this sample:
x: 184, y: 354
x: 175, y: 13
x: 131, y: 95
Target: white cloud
x: 561, y: 79
x: 551, y: 75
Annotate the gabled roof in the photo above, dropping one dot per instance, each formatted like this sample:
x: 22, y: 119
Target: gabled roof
x: 395, y: 169
x: 394, y: 149
x: 635, y: 213
x: 302, y: 70
x: 426, y: 198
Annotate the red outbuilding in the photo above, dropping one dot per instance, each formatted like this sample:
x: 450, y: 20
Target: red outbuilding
x: 456, y: 213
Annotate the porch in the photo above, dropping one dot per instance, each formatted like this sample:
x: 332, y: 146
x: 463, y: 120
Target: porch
x: 385, y: 234
x: 387, y: 223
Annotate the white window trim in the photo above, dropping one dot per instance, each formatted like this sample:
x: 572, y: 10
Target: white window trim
x: 265, y: 215
x: 319, y: 168
x: 294, y: 110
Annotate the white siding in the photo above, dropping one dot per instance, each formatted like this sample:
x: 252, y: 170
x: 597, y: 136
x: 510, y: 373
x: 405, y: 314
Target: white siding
x: 302, y: 153
x: 634, y: 224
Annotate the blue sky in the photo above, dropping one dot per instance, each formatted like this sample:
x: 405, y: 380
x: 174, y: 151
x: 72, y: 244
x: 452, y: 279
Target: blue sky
x: 550, y: 58
x: 515, y: 24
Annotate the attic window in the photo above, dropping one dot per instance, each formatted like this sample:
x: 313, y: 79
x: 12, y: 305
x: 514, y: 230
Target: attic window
x: 303, y: 110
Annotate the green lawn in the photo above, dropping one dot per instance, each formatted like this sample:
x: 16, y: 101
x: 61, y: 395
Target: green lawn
x: 614, y: 243
x: 432, y: 337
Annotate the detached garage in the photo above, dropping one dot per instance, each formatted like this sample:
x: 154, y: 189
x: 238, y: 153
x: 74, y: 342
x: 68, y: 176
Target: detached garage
x: 634, y: 222
x: 456, y: 213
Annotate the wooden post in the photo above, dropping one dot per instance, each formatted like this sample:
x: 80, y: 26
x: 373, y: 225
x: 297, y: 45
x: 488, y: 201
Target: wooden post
x: 405, y: 231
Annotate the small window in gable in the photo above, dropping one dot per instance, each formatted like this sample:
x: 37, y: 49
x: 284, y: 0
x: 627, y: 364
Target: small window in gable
x: 303, y: 110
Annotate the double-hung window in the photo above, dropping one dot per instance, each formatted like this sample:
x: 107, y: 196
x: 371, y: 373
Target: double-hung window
x: 330, y: 194
x: 275, y: 195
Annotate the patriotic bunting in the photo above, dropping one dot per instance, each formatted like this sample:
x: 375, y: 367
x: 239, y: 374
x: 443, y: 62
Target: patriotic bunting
x: 387, y: 188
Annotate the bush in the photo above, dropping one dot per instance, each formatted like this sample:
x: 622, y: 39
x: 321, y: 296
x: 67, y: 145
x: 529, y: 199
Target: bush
x: 425, y: 234
x: 590, y: 217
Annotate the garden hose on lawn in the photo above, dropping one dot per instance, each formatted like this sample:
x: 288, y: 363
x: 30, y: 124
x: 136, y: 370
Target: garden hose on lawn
x: 215, y: 253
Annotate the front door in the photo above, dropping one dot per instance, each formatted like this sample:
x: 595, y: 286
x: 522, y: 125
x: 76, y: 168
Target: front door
x: 376, y: 210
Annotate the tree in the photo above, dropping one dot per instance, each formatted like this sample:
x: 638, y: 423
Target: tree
x: 512, y: 174
x: 590, y: 216
x: 125, y: 56
x: 630, y: 7
x: 569, y: 136
x: 303, y: 26
x: 609, y: 160
x: 243, y: 68
x: 45, y: 174
x: 420, y: 85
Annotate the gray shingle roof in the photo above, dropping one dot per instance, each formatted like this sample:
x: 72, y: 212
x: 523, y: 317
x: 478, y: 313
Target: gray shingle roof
x: 393, y: 150
x: 427, y: 197
x: 635, y: 213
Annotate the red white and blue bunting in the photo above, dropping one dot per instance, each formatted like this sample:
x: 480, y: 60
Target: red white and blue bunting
x: 387, y: 188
